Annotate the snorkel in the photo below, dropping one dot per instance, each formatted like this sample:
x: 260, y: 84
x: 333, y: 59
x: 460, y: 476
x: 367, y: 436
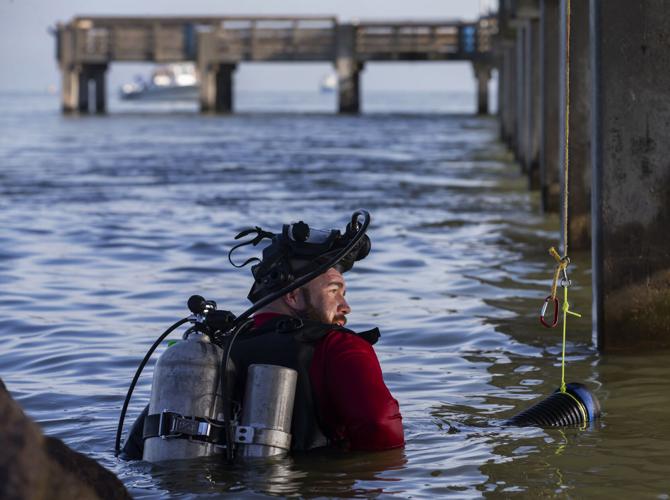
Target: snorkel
x: 293, y: 258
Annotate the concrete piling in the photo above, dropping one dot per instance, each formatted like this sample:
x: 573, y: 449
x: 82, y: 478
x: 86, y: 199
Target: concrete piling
x: 579, y: 178
x: 509, y: 92
x: 550, y: 105
x: 348, y: 70
x: 520, y: 131
x: 216, y: 77
x: 631, y: 173
x: 483, y: 76
x: 530, y: 156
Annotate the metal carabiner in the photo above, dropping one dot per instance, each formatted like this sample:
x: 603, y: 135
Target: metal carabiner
x: 543, y: 311
x: 565, y: 281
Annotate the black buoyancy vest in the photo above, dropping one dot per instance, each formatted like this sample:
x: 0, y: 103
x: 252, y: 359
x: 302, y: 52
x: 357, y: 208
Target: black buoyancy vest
x: 290, y: 342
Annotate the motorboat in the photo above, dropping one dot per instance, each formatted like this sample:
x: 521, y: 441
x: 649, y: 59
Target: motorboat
x: 171, y: 82
x: 328, y: 83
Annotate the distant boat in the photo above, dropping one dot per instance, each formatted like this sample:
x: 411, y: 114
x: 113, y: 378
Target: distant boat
x: 172, y: 82
x: 328, y: 83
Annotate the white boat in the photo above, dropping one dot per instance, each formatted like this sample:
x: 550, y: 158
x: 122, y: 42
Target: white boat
x: 172, y: 82
x: 328, y: 83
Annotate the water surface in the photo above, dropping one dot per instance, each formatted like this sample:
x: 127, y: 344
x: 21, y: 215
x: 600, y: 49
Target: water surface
x: 110, y: 223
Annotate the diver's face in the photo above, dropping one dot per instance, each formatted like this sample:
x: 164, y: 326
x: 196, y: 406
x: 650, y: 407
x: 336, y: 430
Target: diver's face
x: 323, y: 299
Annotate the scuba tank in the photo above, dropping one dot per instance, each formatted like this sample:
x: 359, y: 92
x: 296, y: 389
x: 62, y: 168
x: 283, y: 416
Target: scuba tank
x: 187, y: 412
x: 267, y: 411
x: 185, y: 418
x: 185, y: 401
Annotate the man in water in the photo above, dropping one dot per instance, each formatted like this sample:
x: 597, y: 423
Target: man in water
x: 341, y: 397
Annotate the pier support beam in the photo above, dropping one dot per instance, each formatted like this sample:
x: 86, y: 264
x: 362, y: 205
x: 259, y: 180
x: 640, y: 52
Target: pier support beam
x: 508, y: 98
x: 520, y: 133
x: 531, y: 156
x: 631, y: 174
x: 348, y: 70
x: 550, y: 105
x: 579, y: 178
x: 483, y: 76
x: 216, y: 77
x: 78, y: 94
x: 216, y: 88
x: 98, y: 76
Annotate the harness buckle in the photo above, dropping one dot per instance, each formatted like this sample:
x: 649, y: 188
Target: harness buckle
x: 165, y: 429
x: 172, y: 424
x: 204, y: 428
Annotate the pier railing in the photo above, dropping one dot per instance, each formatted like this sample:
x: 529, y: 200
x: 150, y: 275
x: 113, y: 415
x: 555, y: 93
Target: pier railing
x: 87, y: 45
x: 108, y: 39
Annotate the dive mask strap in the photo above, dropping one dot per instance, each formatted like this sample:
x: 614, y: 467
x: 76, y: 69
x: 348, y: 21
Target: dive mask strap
x: 260, y: 236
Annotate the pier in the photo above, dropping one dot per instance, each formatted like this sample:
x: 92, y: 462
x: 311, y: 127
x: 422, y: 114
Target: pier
x: 86, y: 46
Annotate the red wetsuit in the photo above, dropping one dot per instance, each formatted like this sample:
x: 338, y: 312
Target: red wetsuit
x: 356, y: 408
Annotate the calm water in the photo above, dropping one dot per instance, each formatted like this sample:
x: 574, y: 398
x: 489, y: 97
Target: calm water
x: 110, y: 223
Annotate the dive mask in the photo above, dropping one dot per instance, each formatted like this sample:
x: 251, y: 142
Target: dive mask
x: 298, y: 251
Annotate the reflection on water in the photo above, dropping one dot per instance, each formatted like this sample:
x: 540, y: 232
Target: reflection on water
x: 321, y: 473
x: 110, y: 223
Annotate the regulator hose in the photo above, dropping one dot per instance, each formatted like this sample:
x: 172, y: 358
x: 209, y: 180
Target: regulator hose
x: 119, y: 429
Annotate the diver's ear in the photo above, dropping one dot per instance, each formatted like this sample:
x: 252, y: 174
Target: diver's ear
x: 294, y: 299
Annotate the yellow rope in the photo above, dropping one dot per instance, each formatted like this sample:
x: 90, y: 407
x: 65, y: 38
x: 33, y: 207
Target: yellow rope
x: 566, y: 311
x: 561, y: 264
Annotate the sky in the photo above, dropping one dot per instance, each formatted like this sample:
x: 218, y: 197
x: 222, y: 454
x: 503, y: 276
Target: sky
x: 27, y: 50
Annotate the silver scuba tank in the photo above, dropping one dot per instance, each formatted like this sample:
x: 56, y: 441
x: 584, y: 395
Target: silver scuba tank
x: 185, y: 382
x: 267, y: 411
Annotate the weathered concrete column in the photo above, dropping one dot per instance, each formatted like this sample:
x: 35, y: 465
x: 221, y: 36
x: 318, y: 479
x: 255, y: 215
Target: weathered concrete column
x: 69, y: 71
x: 521, y: 135
x: 549, y: 97
x: 216, y: 88
x: 224, y: 88
x: 500, y: 111
x: 81, y: 78
x: 532, y: 105
x: 482, y: 75
x: 631, y: 173
x: 579, y: 178
x: 99, y: 73
x: 348, y: 69
x: 510, y: 96
x: 82, y: 87
x: 216, y: 77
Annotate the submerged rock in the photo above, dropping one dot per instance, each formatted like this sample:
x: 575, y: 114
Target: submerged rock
x: 35, y: 466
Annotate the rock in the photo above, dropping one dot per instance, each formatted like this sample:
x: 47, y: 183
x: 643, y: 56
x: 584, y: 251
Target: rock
x: 35, y: 467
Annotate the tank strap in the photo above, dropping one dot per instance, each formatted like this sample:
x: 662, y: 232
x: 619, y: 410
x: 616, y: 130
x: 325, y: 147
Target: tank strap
x: 312, y: 331
x: 168, y: 424
x: 171, y: 425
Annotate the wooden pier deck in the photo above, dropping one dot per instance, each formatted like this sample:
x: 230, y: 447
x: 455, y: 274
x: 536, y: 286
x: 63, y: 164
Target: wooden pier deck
x: 88, y: 44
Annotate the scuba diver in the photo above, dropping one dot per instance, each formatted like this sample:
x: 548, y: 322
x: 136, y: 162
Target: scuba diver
x: 300, y: 313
